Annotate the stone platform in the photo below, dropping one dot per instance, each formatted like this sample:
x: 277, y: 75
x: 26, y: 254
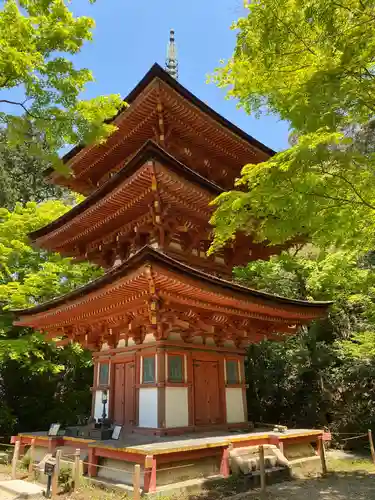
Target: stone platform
x: 18, y: 489
x: 166, y: 460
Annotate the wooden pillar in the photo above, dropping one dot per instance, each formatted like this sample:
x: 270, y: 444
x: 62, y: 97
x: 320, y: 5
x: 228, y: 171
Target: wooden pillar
x: 222, y: 389
x: 77, y: 467
x: 16, y: 455
x: 93, y: 463
x: 190, y: 382
x: 243, y: 381
x: 371, y: 445
x: 149, y: 482
x: 322, y: 453
x: 137, y: 482
x: 52, y: 444
x: 224, y: 465
x: 262, y: 469
x: 32, y: 458
x: 55, y: 477
x: 137, y: 361
x: 94, y: 385
x: 161, y: 360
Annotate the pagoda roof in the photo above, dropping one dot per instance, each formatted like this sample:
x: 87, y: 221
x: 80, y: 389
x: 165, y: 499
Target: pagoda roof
x: 127, y: 290
x: 156, y: 71
x: 90, y: 163
x: 124, y: 192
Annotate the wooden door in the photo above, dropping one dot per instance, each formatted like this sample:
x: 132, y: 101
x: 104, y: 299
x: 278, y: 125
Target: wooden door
x: 206, y: 392
x: 123, y: 394
x: 213, y: 392
x: 129, y: 411
x: 119, y: 394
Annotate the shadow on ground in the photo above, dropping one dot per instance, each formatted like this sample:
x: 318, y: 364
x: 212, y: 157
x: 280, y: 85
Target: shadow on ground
x: 336, y: 486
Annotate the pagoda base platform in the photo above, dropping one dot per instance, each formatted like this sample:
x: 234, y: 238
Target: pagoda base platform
x: 166, y: 460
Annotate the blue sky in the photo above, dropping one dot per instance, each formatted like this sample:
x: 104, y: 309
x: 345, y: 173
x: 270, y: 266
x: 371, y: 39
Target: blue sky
x: 131, y: 35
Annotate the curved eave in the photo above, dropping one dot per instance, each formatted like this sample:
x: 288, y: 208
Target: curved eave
x: 150, y: 151
x: 148, y: 255
x: 157, y: 71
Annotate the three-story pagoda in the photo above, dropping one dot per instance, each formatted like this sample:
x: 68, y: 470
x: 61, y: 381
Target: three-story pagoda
x: 167, y: 327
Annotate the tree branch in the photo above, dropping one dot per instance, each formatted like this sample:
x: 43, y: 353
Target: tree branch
x: 326, y: 196
x: 22, y: 105
x: 298, y: 37
x: 358, y: 194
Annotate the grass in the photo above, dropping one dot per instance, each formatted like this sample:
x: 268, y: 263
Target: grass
x: 89, y: 491
x: 351, y: 465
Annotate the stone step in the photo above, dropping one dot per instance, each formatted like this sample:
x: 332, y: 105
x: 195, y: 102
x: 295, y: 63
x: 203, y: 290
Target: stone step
x: 249, y: 464
x: 245, y: 460
x: 21, y: 489
x: 273, y: 476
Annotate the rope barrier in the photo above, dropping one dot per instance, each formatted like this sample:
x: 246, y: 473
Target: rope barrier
x: 344, y: 433
x: 109, y: 468
x: 176, y: 467
x: 355, y: 437
x: 116, y: 468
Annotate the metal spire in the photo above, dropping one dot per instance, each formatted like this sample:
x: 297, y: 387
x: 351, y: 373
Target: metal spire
x: 171, y: 64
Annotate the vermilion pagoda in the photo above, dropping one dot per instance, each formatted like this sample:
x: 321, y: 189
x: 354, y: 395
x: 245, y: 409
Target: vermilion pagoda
x: 167, y: 326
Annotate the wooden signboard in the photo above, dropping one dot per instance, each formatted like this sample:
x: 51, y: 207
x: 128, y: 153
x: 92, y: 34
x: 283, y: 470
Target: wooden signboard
x: 49, y: 467
x: 116, y: 431
x: 54, y: 429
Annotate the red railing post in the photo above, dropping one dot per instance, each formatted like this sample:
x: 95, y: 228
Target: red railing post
x: 149, y: 485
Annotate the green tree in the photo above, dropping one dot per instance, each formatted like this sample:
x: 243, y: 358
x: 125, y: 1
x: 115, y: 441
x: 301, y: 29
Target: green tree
x: 312, y: 64
x: 39, y: 382
x: 32, y: 399
x: 37, y: 39
x: 325, y: 375
x: 22, y: 176
x: 340, y: 276
x: 29, y: 275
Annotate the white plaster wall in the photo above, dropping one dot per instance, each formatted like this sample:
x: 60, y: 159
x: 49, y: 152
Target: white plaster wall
x: 229, y: 343
x: 197, y: 340
x: 149, y: 338
x: 174, y: 336
x: 148, y: 407
x: 98, y: 406
x: 234, y: 403
x: 176, y: 407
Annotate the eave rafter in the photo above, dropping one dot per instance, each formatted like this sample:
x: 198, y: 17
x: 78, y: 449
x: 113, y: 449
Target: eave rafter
x: 155, y: 294
x: 151, y: 192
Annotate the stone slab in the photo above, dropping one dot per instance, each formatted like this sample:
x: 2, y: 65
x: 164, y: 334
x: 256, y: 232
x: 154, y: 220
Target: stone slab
x: 21, y: 489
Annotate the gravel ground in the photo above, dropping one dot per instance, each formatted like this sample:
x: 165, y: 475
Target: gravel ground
x: 349, y: 478
x: 338, y: 487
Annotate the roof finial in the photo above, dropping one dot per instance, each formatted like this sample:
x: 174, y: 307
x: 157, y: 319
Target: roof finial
x: 171, y: 64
